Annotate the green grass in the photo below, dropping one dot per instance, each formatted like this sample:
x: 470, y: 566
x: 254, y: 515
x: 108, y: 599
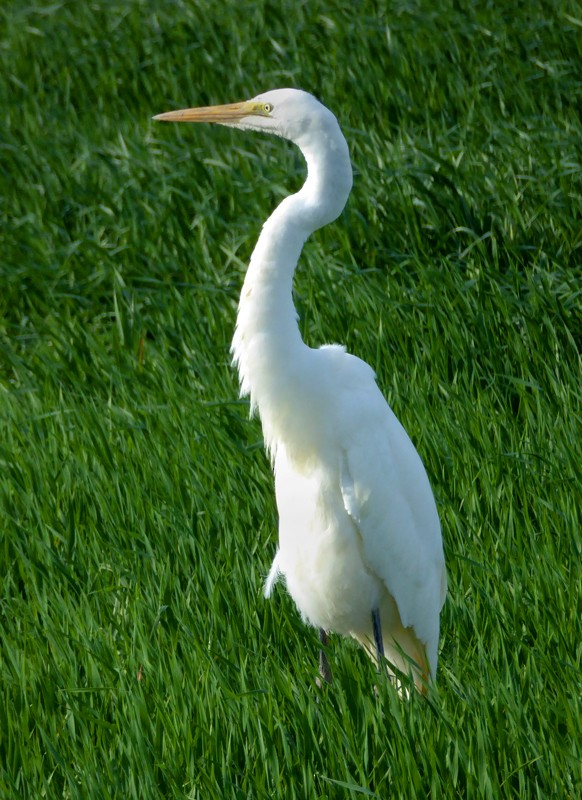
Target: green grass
x: 138, y: 658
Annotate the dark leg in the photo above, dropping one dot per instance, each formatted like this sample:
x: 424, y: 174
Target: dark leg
x: 324, y: 668
x: 377, y: 627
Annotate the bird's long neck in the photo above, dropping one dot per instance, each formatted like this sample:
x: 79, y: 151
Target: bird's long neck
x: 267, y: 337
x: 267, y: 345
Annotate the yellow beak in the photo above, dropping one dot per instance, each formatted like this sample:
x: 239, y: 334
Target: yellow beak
x: 232, y: 112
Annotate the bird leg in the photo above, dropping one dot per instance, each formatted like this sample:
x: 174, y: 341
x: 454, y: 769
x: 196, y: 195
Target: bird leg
x: 324, y: 667
x: 377, y: 628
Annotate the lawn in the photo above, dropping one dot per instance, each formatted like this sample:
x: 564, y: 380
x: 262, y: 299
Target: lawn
x: 138, y: 658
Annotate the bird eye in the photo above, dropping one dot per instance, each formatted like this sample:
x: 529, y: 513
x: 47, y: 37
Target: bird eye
x: 267, y: 108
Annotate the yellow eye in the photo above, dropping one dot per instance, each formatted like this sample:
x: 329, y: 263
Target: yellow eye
x: 267, y: 108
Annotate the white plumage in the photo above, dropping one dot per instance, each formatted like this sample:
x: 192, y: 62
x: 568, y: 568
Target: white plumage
x: 359, y: 534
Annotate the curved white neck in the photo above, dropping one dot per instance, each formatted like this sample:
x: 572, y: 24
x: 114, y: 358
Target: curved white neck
x: 267, y: 345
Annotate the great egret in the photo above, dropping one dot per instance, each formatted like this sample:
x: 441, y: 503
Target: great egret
x: 360, y: 545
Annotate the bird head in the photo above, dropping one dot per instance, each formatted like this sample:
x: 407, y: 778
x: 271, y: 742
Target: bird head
x: 290, y: 113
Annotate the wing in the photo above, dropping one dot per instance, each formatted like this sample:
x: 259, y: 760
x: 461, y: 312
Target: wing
x: 387, y: 494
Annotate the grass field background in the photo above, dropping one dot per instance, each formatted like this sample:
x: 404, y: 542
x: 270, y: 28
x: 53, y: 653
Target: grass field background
x: 138, y: 658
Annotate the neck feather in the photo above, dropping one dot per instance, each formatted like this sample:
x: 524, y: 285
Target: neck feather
x: 267, y: 346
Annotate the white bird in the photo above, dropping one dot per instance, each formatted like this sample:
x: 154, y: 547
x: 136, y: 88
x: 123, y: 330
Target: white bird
x: 360, y: 544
